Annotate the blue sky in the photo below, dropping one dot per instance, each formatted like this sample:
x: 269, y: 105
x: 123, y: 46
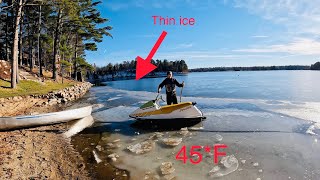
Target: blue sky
x: 226, y: 32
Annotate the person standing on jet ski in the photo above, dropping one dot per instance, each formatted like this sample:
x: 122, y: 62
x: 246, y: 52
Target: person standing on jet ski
x: 170, y: 84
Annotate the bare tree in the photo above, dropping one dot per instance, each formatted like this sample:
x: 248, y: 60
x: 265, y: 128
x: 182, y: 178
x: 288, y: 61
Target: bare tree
x: 14, y: 66
x: 56, y: 45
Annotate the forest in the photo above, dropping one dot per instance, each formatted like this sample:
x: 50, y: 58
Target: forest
x: 50, y: 36
x: 53, y: 36
x: 130, y: 66
x: 315, y: 66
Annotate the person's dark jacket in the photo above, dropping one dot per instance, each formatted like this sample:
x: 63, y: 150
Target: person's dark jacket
x: 170, y: 84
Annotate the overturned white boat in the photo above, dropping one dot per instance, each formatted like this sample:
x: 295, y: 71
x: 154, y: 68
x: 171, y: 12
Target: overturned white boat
x: 7, y: 123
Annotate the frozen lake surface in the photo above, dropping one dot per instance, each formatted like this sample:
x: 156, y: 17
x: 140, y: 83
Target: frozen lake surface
x: 269, y: 139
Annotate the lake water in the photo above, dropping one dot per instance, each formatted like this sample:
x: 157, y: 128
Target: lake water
x: 269, y: 120
x: 270, y: 85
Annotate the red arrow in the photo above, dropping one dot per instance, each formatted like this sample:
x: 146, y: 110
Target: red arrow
x: 145, y: 66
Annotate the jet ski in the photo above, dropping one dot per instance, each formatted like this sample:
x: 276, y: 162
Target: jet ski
x: 152, y: 110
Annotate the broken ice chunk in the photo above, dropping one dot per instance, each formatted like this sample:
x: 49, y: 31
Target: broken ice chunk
x: 99, y: 148
x: 313, y: 129
x: 113, y: 157
x: 228, y: 164
x: 218, y: 138
x: 159, y: 134
x: 195, y: 128
x: 228, y: 161
x: 169, y: 177
x: 96, y: 157
x: 172, y: 141
x: 142, y: 147
x: 167, y: 168
x: 113, y: 146
x: 183, y: 131
x: 214, y: 169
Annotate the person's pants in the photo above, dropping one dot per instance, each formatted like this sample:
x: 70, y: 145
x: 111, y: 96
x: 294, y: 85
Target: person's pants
x: 172, y: 98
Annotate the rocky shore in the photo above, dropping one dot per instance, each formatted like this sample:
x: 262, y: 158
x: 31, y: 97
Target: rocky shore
x: 33, y: 104
x: 43, y: 152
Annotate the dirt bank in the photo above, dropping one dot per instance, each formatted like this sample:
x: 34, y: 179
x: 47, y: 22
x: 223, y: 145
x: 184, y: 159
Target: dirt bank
x: 40, y: 153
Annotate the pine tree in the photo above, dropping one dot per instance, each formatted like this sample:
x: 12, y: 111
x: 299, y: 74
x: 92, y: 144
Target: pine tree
x: 85, y: 24
x: 50, y: 31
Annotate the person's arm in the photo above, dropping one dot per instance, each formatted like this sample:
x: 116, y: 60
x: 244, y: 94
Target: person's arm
x: 178, y: 84
x: 161, y: 85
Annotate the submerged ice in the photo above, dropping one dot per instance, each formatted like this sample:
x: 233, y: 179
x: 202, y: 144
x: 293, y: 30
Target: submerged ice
x: 254, y: 130
x: 141, y: 148
x: 228, y: 164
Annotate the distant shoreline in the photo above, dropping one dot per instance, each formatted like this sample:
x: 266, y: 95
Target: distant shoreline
x: 131, y: 76
x: 119, y: 72
x: 128, y: 76
x: 252, y: 68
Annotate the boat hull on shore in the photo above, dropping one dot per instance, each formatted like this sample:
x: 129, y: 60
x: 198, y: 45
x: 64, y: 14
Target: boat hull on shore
x: 7, y: 123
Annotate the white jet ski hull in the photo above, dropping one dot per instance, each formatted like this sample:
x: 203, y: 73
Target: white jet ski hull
x: 152, y: 111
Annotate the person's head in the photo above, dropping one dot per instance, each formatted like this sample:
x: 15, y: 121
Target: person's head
x: 169, y: 74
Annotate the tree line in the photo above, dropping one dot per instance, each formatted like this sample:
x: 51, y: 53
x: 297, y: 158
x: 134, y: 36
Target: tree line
x: 254, y: 68
x: 315, y: 66
x: 51, y: 35
x: 130, y: 66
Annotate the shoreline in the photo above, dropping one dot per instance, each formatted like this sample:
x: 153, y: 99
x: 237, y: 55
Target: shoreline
x: 35, y: 104
x: 87, y: 143
x: 106, y: 78
x: 41, y: 152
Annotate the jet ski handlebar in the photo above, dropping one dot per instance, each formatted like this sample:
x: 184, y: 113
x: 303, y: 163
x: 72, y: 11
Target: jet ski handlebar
x: 159, y: 97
